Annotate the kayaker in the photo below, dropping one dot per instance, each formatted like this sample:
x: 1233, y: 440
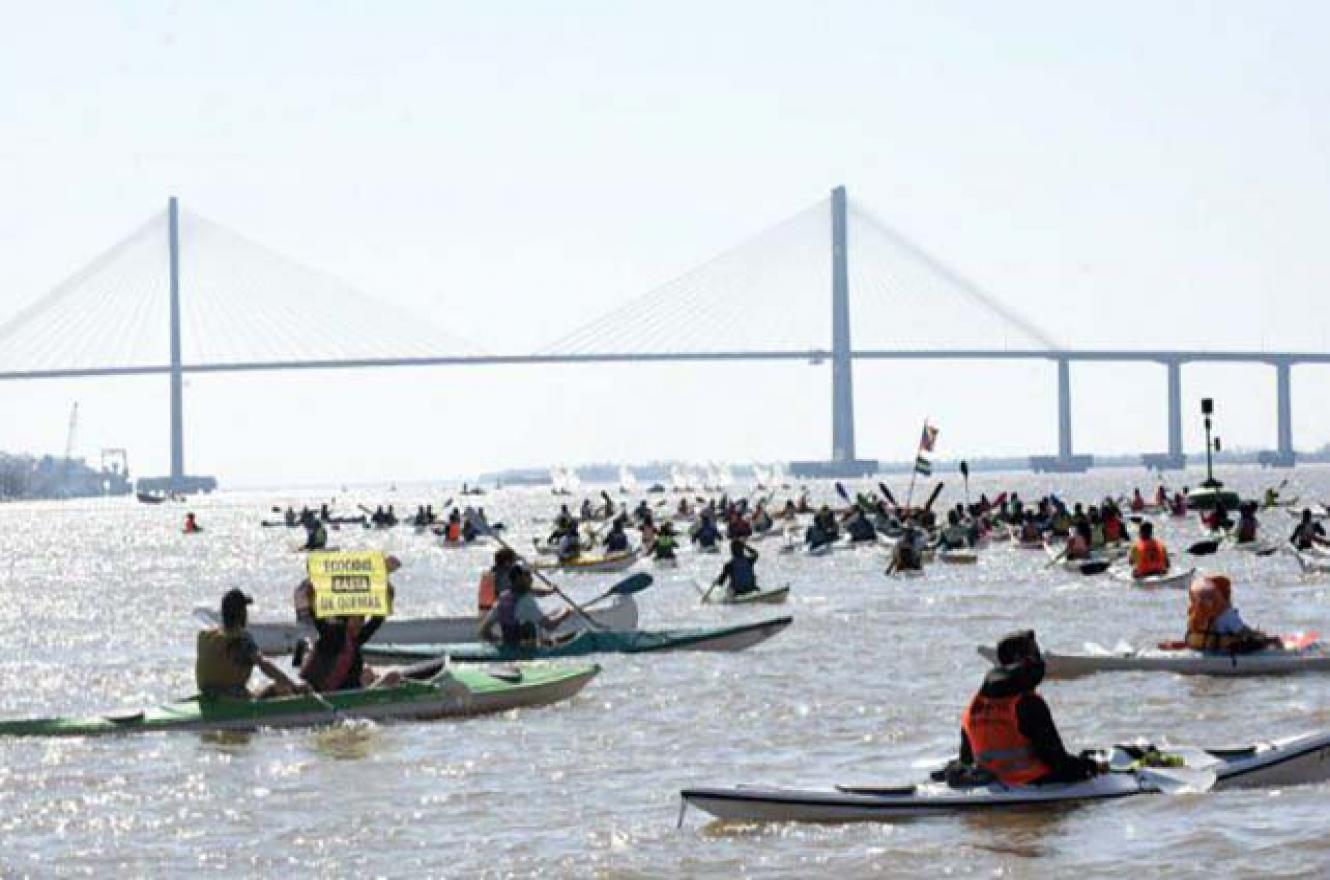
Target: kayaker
x: 663, y: 544
x: 738, y: 528
x: 1214, y: 624
x: 1247, y: 524
x: 496, y: 579
x: 570, y: 546
x: 1149, y: 556
x: 1271, y: 497
x: 906, y: 555
x: 1115, y: 530
x: 1008, y: 729
x: 226, y: 656
x: 762, y: 522
x: 316, y: 535
x: 955, y: 536
x: 859, y: 528
x: 739, y: 572
x: 191, y: 524
x: 1308, y: 533
x: 517, y: 616
x: 1137, y: 501
x: 290, y: 517
x: 335, y: 662
x: 1078, y: 542
x: 617, y: 540
x: 706, y: 535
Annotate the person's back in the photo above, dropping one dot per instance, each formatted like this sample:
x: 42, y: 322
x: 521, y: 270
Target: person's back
x: 1247, y: 525
x: 1008, y: 729
x: 616, y: 541
x: 1148, y: 555
x: 739, y: 571
x: 664, y: 546
x: 224, y: 661
x: 316, y: 535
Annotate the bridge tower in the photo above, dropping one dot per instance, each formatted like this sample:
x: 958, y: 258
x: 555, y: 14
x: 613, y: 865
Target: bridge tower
x: 843, y: 462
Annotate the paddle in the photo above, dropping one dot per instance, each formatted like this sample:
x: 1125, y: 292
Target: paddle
x: 886, y: 493
x: 1054, y: 560
x: 1097, y: 567
x: 965, y: 475
x: 549, y: 583
x: 634, y: 583
x: 937, y: 490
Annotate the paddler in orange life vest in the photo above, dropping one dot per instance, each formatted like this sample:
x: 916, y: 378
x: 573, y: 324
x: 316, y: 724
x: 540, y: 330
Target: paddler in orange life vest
x: 1008, y: 729
x: 191, y: 525
x: 496, y: 579
x: 1115, y: 529
x: 1214, y: 624
x: 1149, y: 556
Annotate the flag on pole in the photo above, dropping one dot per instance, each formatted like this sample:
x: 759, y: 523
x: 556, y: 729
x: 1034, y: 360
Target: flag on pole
x: 923, y: 465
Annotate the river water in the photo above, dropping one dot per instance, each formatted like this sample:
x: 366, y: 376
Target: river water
x: 873, y: 675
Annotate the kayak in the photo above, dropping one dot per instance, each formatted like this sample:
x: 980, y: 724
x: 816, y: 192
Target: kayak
x: 276, y: 637
x: 730, y: 638
x: 1295, y: 760
x: 1209, y: 499
x: 1301, y: 653
x: 1179, y: 581
x: 761, y: 597
x: 449, y: 693
x: 906, y: 573
x: 587, y: 564
x: 959, y: 557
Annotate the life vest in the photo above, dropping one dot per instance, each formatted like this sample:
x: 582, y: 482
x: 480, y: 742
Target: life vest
x: 1113, y: 530
x: 454, y: 533
x: 743, y: 579
x: 331, y: 675
x: 665, y: 547
x: 992, y: 727
x: 488, y: 593
x: 216, y: 667
x: 1208, y: 598
x: 1151, y: 558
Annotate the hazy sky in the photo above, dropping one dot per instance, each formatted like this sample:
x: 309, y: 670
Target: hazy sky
x: 1126, y: 174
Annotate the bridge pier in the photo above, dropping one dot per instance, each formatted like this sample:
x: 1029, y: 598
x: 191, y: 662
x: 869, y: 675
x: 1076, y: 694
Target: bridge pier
x: 1064, y: 462
x: 1174, y: 459
x: 1283, y: 456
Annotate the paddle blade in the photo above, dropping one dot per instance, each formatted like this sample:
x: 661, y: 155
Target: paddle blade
x: 840, y: 490
x: 965, y: 469
x: 1203, y: 548
x: 937, y: 490
x: 634, y: 583
x: 1092, y: 568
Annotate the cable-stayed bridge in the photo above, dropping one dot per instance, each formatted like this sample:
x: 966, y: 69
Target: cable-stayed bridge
x: 184, y: 295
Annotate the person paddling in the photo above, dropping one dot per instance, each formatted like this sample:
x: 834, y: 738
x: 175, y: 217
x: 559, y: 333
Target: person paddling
x: 1149, y: 556
x: 739, y: 571
x: 1008, y: 729
x: 1308, y: 533
x: 1214, y: 624
x: 518, y: 617
x: 1247, y: 524
x: 191, y: 524
x: 226, y: 656
x: 496, y: 579
x: 662, y: 544
x: 316, y: 534
x: 336, y: 662
x: 617, y: 539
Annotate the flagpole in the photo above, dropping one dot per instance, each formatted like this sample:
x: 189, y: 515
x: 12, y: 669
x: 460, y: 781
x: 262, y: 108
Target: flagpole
x: 914, y: 468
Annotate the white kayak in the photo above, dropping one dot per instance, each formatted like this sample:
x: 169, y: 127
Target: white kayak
x: 1177, y: 581
x: 1301, y: 653
x: 1295, y: 760
x: 275, y: 637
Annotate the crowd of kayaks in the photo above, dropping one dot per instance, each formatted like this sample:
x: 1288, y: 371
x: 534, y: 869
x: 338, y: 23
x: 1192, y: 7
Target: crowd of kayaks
x: 448, y: 673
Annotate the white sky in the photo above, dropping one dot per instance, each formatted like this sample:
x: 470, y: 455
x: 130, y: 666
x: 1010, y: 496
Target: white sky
x: 1129, y: 175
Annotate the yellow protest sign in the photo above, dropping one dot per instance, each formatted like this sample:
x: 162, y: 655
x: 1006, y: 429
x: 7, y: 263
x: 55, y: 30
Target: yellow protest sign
x: 350, y: 583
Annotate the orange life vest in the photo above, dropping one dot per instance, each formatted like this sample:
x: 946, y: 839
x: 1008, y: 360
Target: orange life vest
x: 454, y: 532
x: 1151, y: 558
x: 991, y: 726
x: 1208, y: 597
x: 488, y: 591
x: 1112, y: 530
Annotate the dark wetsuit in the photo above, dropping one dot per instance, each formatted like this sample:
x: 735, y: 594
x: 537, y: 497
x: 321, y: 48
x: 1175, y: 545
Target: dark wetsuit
x: 1035, y: 722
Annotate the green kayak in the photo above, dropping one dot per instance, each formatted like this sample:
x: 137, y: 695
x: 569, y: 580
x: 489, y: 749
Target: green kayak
x: 729, y: 638
x: 451, y: 693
